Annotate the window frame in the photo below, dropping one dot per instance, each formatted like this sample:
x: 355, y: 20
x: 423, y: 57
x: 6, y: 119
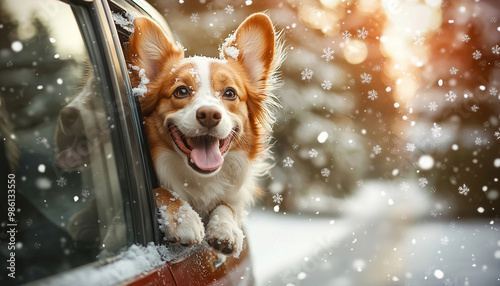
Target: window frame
x: 103, y: 45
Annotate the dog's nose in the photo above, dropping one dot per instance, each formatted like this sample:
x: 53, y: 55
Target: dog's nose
x: 208, y: 116
x: 69, y: 115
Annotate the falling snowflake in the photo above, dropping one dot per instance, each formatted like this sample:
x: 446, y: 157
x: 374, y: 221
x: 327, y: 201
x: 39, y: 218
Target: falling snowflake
x: 474, y: 108
x: 306, y: 74
x: 288, y: 162
x: 277, y: 198
x: 362, y: 33
x: 85, y: 193
x: 61, y: 182
x: 476, y: 55
x: 478, y: 141
x: 453, y: 70
x: 418, y: 39
x: 41, y: 140
x: 366, y: 78
x: 229, y: 9
x: 295, y: 146
x: 195, y: 17
x: 433, y: 106
x: 436, y: 131
x: 451, y: 96
x: 497, y: 134
x: 360, y: 183
x: 372, y: 94
x: 346, y: 35
x: 326, y: 85
x: 410, y: 147
x: 495, y: 50
x: 325, y: 172
x: 465, y: 38
x: 404, y: 186
x: 444, y: 240
x: 377, y: 149
x: 493, y: 91
x: 313, y: 153
x: 493, y: 19
x: 463, y: 190
x: 423, y: 182
x: 328, y: 54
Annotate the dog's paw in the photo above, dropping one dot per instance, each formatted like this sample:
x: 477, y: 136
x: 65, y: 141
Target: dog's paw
x: 224, y: 235
x: 183, y: 226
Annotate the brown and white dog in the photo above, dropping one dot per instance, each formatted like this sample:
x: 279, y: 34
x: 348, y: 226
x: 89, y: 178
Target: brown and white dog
x: 208, y: 123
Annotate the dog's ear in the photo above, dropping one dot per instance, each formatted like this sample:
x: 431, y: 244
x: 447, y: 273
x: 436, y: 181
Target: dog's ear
x: 152, y: 50
x: 253, y: 46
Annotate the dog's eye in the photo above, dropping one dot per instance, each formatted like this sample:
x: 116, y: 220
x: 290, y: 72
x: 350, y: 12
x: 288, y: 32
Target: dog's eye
x: 230, y: 94
x: 182, y: 92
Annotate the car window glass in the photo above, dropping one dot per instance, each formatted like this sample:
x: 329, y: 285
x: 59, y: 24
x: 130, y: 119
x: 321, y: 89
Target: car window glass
x: 56, y: 149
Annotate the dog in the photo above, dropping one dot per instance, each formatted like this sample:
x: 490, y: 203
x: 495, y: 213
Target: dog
x: 81, y: 126
x: 208, y: 124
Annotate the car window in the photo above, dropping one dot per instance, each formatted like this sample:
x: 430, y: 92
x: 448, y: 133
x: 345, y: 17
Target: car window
x: 65, y: 204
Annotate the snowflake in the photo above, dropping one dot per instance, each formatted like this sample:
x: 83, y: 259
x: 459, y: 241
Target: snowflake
x: 288, y: 162
x: 404, y: 186
x: 295, y: 146
x: 495, y: 50
x: 195, y: 17
x: 493, y: 19
x: 410, y: 147
x: 444, y: 240
x: 277, y: 198
x: 463, y: 190
x: 476, y: 55
x: 313, y: 153
x: 41, y: 140
x: 326, y: 85
x: 372, y: 94
x: 474, y: 108
x: 433, y: 106
x: 478, y: 141
x: 451, y: 96
x: 359, y: 183
x: 328, y: 54
x: 377, y: 149
x: 465, y: 38
x: 366, y: 78
x: 493, y: 91
x: 362, y: 34
x: 61, y: 182
x: 325, y: 172
x: 453, y: 70
x: 419, y: 40
x: 229, y: 9
x: 346, y: 35
x: 497, y: 134
x: 85, y: 193
x: 436, y: 131
x: 307, y: 74
x: 423, y: 182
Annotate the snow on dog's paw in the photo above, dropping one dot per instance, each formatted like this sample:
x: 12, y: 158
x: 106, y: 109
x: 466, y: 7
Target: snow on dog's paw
x: 183, y: 226
x: 225, y: 236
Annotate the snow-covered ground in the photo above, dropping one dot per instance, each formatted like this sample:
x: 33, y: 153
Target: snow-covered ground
x: 387, y: 234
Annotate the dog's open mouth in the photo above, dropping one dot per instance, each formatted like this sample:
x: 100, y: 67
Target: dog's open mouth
x: 204, y: 153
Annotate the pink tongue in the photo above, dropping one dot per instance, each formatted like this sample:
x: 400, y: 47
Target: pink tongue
x: 205, y: 153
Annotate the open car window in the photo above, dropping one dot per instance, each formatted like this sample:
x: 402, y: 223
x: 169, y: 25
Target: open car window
x: 58, y: 147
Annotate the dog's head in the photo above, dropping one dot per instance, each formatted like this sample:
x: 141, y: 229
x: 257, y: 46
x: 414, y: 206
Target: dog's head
x: 81, y: 126
x: 203, y: 107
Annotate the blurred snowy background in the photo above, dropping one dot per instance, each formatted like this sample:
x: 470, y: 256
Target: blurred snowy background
x: 387, y: 146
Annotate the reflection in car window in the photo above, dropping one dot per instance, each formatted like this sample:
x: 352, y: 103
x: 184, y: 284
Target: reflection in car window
x: 55, y: 146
